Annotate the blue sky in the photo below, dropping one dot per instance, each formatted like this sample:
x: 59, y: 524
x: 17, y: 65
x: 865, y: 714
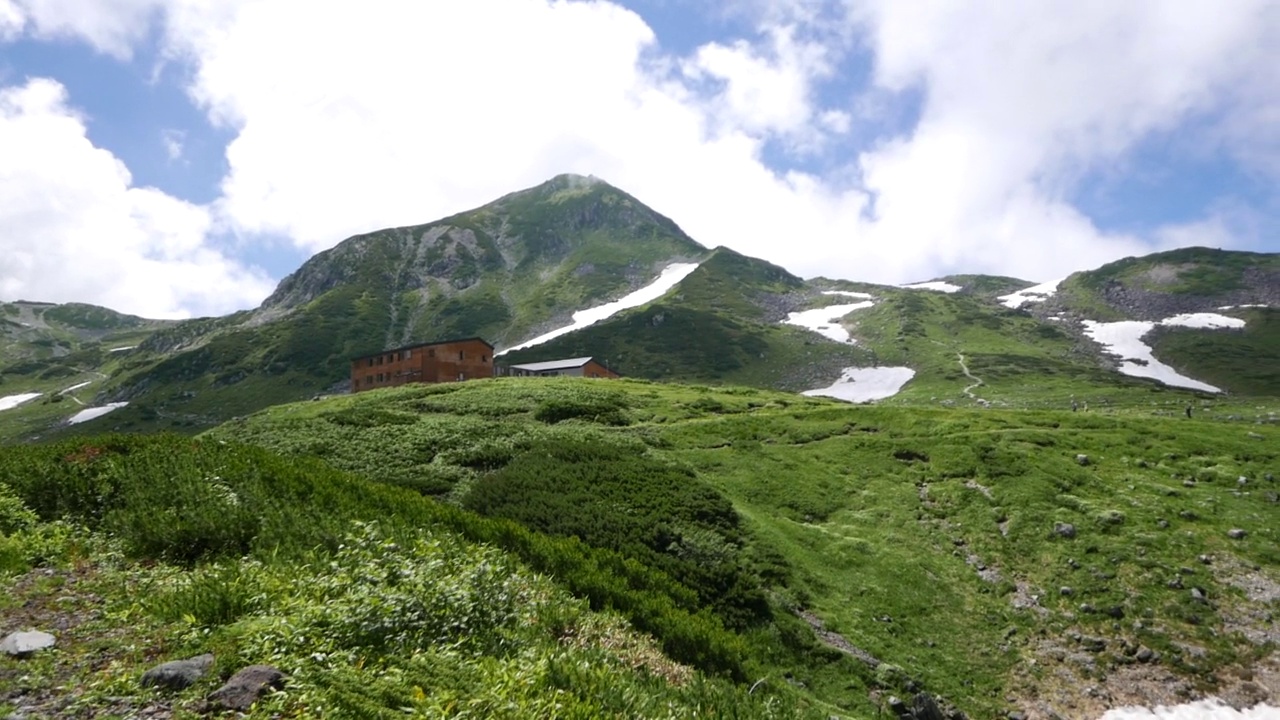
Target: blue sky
x: 178, y: 157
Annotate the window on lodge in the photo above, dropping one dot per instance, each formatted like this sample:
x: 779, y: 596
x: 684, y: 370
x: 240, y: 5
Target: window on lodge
x: 368, y: 379
x: 431, y: 353
x: 406, y: 355
x: 460, y: 355
x: 370, y: 362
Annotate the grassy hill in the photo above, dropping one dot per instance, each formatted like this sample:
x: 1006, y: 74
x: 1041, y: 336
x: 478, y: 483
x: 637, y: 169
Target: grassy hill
x: 373, y: 600
x: 930, y: 543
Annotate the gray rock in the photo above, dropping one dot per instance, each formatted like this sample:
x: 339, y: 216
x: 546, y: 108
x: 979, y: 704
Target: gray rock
x: 1206, y: 559
x: 1066, y: 590
x: 1198, y: 595
x: 1269, y: 477
x: 1145, y: 654
x: 246, y: 686
x: 1016, y: 715
x: 1162, y: 523
x: 178, y: 674
x: 1242, y: 480
x: 1066, y: 530
x: 925, y: 707
x: 1236, y: 534
x: 23, y: 644
x: 1082, y: 459
x: 1093, y: 644
x: 1175, y: 583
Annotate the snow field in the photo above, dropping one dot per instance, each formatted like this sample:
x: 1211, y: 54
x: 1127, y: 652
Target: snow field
x: 93, y: 413
x: 866, y: 384
x: 1035, y: 293
x: 9, y: 402
x: 1211, y: 709
x: 670, y: 275
x: 935, y: 285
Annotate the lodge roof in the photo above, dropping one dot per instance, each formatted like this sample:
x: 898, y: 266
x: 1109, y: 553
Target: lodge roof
x: 565, y: 364
x: 415, y: 346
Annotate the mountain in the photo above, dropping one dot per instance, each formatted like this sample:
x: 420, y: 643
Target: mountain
x: 576, y: 267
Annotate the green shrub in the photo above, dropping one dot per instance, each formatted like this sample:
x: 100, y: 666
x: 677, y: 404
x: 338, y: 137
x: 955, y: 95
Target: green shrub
x: 615, y: 497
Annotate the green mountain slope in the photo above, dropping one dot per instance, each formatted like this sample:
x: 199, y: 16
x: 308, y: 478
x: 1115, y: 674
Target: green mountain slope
x: 722, y: 323
x: 506, y: 271
x: 931, y: 546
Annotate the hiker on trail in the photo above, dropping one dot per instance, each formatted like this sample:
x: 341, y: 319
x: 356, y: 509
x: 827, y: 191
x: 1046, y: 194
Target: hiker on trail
x: 1074, y: 406
x: 1188, y: 411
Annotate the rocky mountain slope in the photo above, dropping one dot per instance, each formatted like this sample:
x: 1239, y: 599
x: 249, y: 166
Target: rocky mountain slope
x: 525, y: 266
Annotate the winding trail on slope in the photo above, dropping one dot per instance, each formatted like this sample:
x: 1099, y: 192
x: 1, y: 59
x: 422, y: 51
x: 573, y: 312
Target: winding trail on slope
x: 977, y: 381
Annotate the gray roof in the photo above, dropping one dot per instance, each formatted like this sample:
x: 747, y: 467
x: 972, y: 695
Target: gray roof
x: 566, y: 364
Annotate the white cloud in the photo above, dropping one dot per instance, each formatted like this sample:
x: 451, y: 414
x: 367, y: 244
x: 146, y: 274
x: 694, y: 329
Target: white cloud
x: 74, y: 228
x: 173, y: 141
x: 1021, y: 101
x: 406, y: 112
x: 110, y: 26
x: 11, y: 20
x: 763, y: 93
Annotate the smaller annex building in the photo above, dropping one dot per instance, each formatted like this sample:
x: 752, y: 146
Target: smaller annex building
x: 433, y: 362
x: 570, y: 367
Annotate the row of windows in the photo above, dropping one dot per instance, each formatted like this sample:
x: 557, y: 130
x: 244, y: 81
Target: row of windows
x: 408, y: 354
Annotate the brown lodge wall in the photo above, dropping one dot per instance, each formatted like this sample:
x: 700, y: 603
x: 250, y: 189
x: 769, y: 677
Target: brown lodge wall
x: 430, y: 363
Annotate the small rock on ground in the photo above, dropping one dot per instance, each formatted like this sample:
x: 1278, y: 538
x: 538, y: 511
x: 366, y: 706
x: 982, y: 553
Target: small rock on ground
x: 1066, y: 530
x: 178, y: 674
x: 22, y: 644
x: 246, y: 686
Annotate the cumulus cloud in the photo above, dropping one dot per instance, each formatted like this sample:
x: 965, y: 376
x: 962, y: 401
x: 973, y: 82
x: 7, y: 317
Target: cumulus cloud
x: 110, y: 26
x: 75, y: 229
x: 405, y: 112
x: 1021, y: 102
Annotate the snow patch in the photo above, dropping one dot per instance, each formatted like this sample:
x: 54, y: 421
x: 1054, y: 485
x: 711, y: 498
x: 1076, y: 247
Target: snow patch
x: 826, y: 320
x: 75, y: 387
x: 9, y: 402
x: 1212, y: 709
x: 850, y: 293
x: 1233, y: 307
x: 1124, y: 339
x: 937, y: 285
x: 1035, y: 293
x: 93, y: 413
x: 866, y: 384
x: 122, y: 349
x: 1212, y: 321
x: 670, y: 275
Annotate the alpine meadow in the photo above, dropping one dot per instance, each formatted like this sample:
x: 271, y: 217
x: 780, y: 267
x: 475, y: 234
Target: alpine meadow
x: 972, y: 497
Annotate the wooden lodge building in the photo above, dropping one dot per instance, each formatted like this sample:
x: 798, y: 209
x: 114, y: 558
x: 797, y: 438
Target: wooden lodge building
x: 455, y: 361
x: 437, y: 362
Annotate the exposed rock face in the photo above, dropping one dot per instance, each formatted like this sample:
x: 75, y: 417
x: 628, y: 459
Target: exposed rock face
x: 178, y: 674
x: 246, y: 686
x: 1260, y: 286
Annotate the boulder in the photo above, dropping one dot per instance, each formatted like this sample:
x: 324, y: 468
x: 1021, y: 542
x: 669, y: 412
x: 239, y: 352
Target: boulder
x: 246, y: 686
x: 1237, y: 534
x: 1066, y: 530
x: 23, y: 644
x: 1082, y: 459
x: 178, y: 674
